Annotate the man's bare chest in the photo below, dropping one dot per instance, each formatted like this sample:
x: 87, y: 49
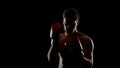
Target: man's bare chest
x: 66, y: 41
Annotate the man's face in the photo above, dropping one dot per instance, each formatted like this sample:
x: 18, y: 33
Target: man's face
x: 69, y: 25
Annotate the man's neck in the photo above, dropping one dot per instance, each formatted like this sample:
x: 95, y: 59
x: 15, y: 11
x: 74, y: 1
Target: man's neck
x: 66, y: 34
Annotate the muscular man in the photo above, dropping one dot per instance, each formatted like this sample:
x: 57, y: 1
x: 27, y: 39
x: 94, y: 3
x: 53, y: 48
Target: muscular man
x: 70, y: 48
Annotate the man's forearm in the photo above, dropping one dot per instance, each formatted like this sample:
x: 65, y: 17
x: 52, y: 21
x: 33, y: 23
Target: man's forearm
x: 86, y: 63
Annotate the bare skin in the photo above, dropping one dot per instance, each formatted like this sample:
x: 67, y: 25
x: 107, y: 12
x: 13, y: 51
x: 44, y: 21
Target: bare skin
x: 70, y: 49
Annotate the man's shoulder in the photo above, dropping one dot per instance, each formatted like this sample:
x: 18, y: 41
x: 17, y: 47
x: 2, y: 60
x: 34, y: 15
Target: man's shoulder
x: 83, y: 36
x: 85, y: 40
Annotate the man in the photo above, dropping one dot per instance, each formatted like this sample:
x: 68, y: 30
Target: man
x: 70, y: 48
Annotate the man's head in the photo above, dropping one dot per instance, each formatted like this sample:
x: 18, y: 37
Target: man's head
x: 70, y: 20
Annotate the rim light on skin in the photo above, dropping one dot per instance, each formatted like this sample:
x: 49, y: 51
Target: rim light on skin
x: 75, y: 28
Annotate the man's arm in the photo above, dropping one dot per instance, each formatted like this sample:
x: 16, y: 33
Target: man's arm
x: 53, y: 56
x: 87, y: 46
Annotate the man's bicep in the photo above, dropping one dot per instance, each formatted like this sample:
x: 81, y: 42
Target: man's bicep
x: 88, y: 50
x: 92, y: 45
x: 88, y: 47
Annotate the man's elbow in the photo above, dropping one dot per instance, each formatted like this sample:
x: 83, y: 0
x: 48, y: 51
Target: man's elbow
x: 87, y: 63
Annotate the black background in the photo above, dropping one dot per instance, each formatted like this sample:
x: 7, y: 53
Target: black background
x: 26, y: 27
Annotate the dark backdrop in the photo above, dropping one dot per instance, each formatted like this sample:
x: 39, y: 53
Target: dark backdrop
x: 26, y: 28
